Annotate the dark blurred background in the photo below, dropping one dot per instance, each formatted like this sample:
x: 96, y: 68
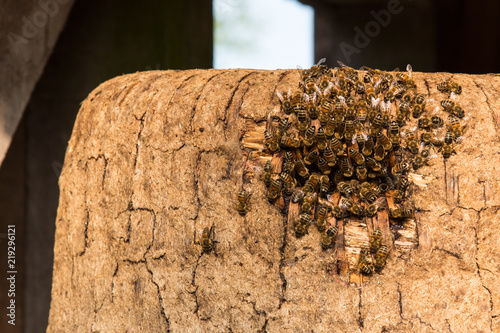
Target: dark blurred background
x: 101, y: 40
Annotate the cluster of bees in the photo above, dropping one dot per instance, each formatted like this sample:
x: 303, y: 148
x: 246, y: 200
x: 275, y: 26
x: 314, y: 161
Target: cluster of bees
x: 349, y: 132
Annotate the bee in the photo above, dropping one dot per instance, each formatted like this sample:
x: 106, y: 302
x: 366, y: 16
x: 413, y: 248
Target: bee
x: 444, y: 87
x: 302, y: 120
x: 373, y: 208
x: 448, y: 137
x: 324, y: 185
x: 417, y: 110
x: 455, y: 128
x: 325, y: 107
x: 323, y: 166
x: 457, y: 111
x: 362, y: 112
x: 375, y: 240
x: 356, y: 156
x: 332, y: 231
x: 321, y: 139
x: 321, y: 220
x: 349, y: 131
x: 283, y: 125
x: 425, y: 122
x: 297, y: 99
x: 399, y: 168
x: 207, y: 242
x: 436, y: 122
x: 309, y: 199
x: 324, y: 82
x: 367, y: 194
x: 361, y: 172
x: 363, y: 264
x: 337, y: 146
x: 411, y: 141
x: 302, y: 224
x: 381, y: 258
x: 310, y: 89
x: 267, y: 173
x: 301, y: 168
x: 312, y: 183
x: 310, y: 136
x: 426, y: 137
x: 447, y: 149
x: 385, y: 107
x: 394, y: 135
x: 345, y: 188
x: 329, y: 156
x: 384, y: 141
x: 398, y: 195
x: 345, y: 204
x: 406, y: 78
x: 421, y: 159
x: 330, y: 127
x: 274, y: 189
x: 373, y: 164
x: 285, y: 100
x: 312, y: 109
x: 401, y: 213
x: 288, y: 182
x: 291, y: 141
x: 356, y: 209
x: 403, y: 184
x: 242, y: 202
x: 455, y: 88
x: 368, y: 146
x: 447, y: 104
x: 346, y: 167
x: 379, y: 152
x: 420, y: 99
x: 311, y: 157
x: 271, y: 142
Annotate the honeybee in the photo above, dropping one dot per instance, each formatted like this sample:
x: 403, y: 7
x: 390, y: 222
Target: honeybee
x: 321, y: 220
x: 291, y: 141
x: 417, y: 110
x: 356, y: 209
x: 337, y: 146
x: 324, y: 185
x: 361, y: 172
x: 447, y: 104
x: 332, y: 231
x: 301, y: 168
x: 324, y: 83
x: 345, y: 188
x: 448, y: 137
x: 455, y: 128
x: 310, y: 136
x: 381, y: 258
x: 384, y: 141
x: 375, y: 240
x: 426, y: 137
x: 401, y: 213
x: 367, y: 194
x: 373, y: 164
x: 455, y: 87
x: 379, y: 152
x: 356, y: 156
x: 285, y: 100
x: 207, y: 242
x: 242, y: 202
x: 288, y: 182
x: 398, y: 195
x: 368, y: 146
x: 447, y: 150
x: 421, y: 159
x: 323, y: 166
x: 394, y: 135
x: 312, y: 183
x: 457, y: 111
x: 420, y: 99
x: 399, y: 168
x: 425, y: 122
x: 267, y: 173
x: 302, y: 120
x: 329, y: 156
x: 311, y: 157
x: 338, y: 177
x: 443, y: 87
x: 274, y: 189
x: 411, y: 141
x: 271, y: 142
x: 363, y: 264
x: 302, y: 224
x: 373, y: 208
x: 325, y: 107
x: 309, y: 199
x: 311, y: 107
x: 346, y: 167
x: 321, y: 139
x: 349, y: 131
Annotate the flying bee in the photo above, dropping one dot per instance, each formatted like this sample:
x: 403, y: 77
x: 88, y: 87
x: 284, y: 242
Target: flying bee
x: 436, y: 122
x: 345, y: 188
x: 286, y: 101
x: 401, y: 213
x: 373, y: 208
x: 381, y: 258
x: 329, y: 156
x: 301, y: 168
x: 324, y: 185
x: 363, y: 264
x: 356, y: 156
x: 302, y: 224
x: 337, y: 146
x: 411, y: 141
x: 321, y: 139
x: 302, y: 120
x: 267, y: 173
x: 207, y: 242
x: 323, y: 166
x: 309, y: 199
x: 312, y: 183
x: 311, y: 157
x: 361, y: 172
x: 297, y: 196
x: 271, y: 142
x: 310, y: 136
x: 375, y: 240
x: 242, y: 202
x: 399, y: 168
x: 379, y: 152
x: 274, y: 189
x: 321, y: 220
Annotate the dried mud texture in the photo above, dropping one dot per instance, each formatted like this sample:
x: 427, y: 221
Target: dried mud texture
x: 157, y: 156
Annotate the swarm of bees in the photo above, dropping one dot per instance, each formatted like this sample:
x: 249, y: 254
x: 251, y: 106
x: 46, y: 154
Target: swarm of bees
x: 346, y: 141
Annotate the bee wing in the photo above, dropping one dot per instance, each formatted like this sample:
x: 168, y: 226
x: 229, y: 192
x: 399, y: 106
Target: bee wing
x: 328, y: 89
x: 379, y: 203
x: 342, y: 64
x: 280, y: 96
x: 322, y: 60
x: 409, y: 69
x: 318, y: 91
x: 453, y: 96
x: 342, y: 100
x: 354, y: 138
x: 375, y: 102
